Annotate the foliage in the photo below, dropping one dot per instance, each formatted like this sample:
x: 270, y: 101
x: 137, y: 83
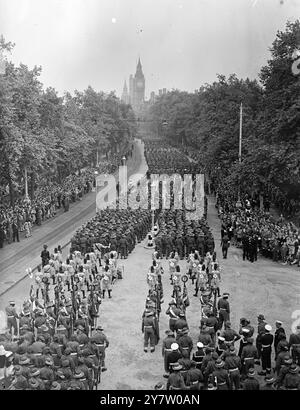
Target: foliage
x: 208, y: 121
x: 51, y: 136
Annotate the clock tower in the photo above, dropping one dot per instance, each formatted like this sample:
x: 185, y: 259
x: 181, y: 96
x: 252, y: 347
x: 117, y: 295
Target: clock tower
x: 138, y: 87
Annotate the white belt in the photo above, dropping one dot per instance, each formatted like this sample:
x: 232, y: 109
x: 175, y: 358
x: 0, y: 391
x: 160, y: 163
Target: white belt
x: 233, y: 370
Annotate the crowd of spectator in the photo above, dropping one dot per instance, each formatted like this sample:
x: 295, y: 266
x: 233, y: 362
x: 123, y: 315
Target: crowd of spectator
x: 48, y: 199
x: 276, y: 237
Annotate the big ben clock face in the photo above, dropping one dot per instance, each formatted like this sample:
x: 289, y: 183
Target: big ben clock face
x: 140, y: 84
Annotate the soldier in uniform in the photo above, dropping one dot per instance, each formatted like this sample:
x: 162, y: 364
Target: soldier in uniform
x: 260, y: 331
x: 224, y: 310
x: 294, y: 345
x: 246, y: 331
x: 201, y: 279
x: 198, y: 355
x: 266, y: 350
x: 101, y: 342
x: 179, y: 245
x: 180, y: 324
x: 281, y: 356
x: 148, y: 328
x: 47, y: 373
x: 25, y: 319
x: 166, y: 349
x: 233, y: 365
x: 106, y: 282
x: 230, y: 335
x: 269, y: 383
x: 12, y: 317
x: 123, y: 247
x: 251, y: 383
x: 195, y: 377
x: 248, y: 356
x: 45, y: 255
x: 211, y: 323
x: 220, y: 376
x: 292, y: 379
x: 175, y: 380
x: 185, y: 342
x: 278, y: 336
x: 205, y: 335
x: 173, y: 313
x: 225, y: 245
x: 245, y: 245
x: 173, y: 357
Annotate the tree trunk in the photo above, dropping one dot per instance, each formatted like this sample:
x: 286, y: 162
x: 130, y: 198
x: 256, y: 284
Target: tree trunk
x: 32, y: 186
x: 11, y: 190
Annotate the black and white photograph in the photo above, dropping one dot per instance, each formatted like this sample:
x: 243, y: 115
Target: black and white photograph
x: 149, y: 198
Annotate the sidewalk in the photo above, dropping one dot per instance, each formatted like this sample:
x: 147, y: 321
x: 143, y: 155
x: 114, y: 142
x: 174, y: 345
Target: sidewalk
x: 15, y: 258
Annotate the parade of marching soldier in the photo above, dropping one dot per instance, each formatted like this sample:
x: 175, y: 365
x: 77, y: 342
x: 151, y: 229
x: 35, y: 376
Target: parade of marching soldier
x: 149, y: 222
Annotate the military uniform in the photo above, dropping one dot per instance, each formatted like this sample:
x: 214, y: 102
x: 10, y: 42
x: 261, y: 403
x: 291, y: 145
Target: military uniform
x: 148, y: 328
x: 198, y: 356
x: 12, y: 317
x: 278, y: 336
x: 101, y: 342
x: 248, y: 356
x: 224, y: 311
x: 260, y: 332
x: 233, y: 365
x: 294, y: 344
x: 251, y: 383
x: 166, y: 348
x: 266, y: 344
x: 292, y: 379
x: 185, y: 343
x: 176, y: 381
x: 195, y: 377
x: 221, y: 377
x: 173, y: 313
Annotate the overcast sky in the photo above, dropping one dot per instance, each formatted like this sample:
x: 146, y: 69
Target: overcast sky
x: 182, y: 43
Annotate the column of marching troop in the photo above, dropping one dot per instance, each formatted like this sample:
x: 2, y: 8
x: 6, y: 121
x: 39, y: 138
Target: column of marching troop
x: 216, y: 364
x: 54, y: 342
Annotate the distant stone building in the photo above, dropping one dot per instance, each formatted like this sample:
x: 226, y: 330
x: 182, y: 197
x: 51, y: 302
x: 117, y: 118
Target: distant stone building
x: 125, y: 95
x: 136, y: 95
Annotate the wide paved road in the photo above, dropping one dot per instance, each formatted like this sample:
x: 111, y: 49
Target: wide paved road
x: 262, y: 287
x: 15, y: 258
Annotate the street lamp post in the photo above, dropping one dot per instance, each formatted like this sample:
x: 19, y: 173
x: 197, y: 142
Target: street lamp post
x: 26, y: 183
x: 239, y: 204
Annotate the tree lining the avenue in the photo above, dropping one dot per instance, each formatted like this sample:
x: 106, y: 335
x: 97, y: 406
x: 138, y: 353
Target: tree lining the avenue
x: 51, y: 136
x: 207, y: 121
